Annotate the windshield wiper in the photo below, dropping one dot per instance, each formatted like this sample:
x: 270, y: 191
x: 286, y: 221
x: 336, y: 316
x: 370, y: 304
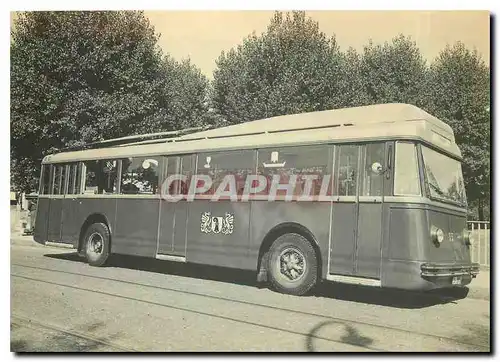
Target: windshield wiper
x: 437, y: 189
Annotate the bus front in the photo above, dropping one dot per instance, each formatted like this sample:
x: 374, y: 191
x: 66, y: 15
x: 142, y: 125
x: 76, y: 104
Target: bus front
x: 429, y: 242
x: 449, y: 260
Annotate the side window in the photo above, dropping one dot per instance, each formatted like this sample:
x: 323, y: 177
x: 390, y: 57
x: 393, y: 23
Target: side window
x: 373, y: 164
x: 140, y: 175
x: 56, y: 188
x: 309, y: 162
x: 101, y: 177
x: 45, y: 190
x: 78, y: 179
x: 346, y: 170
x: 406, y: 178
x: 224, y: 167
x: 72, y: 178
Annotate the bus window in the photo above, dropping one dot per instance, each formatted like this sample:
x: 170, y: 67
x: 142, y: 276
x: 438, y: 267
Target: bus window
x: 406, y: 179
x: 56, y: 189
x: 237, y: 164
x: 347, y: 170
x: 78, y: 180
x: 304, y: 162
x: 71, y: 178
x: 101, y: 177
x: 46, y: 180
x: 371, y: 178
x: 64, y: 179
x: 140, y: 175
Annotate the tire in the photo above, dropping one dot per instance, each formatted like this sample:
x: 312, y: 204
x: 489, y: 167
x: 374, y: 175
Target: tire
x: 96, y: 244
x: 292, y: 265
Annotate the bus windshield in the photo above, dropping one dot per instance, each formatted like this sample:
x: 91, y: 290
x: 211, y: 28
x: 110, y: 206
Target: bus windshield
x: 444, y: 177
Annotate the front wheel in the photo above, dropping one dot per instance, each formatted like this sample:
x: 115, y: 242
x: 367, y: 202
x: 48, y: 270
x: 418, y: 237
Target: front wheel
x: 97, y: 244
x: 293, y: 266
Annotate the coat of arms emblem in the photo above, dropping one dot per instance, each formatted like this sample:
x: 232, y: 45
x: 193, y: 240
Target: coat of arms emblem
x: 217, y: 224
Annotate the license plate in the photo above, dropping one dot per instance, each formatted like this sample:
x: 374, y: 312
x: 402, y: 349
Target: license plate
x: 456, y: 281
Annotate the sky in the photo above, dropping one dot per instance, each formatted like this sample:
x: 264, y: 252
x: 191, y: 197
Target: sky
x: 203, y: 35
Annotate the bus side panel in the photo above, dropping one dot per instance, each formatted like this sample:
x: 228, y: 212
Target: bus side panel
x: 315, y: 216
x: 42, y: 216
x: 98, y: 205
x: 404, y: 246
x: 217, y: 245
x: 136, y: 228
x: 70, y: 220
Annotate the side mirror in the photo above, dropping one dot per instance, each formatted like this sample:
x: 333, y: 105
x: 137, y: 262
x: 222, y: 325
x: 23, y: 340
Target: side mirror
x: 377, y: 168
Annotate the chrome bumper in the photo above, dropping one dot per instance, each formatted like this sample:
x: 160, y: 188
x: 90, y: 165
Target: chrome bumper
x: 449, y: 270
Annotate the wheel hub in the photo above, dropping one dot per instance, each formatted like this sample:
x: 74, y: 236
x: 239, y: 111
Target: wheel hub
x: 95, y: 243
x: 292, y: 263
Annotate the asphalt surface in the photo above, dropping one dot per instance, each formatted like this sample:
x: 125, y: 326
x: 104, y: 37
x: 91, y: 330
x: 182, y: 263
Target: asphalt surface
x: 59, y: 303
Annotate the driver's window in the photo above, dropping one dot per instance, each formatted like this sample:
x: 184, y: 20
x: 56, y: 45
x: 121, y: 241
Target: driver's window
x: 373, y: 169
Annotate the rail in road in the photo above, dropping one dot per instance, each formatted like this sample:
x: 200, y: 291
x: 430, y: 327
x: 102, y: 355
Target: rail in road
x: 83, y: 339
x: 352, y: 339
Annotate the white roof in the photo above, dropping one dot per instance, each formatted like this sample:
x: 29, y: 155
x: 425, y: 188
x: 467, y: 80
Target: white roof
x: 374, y: 122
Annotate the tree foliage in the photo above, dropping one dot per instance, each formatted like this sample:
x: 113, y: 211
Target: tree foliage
x: 292, y: 67
x: 393, y: 72
x: 78, y: 77
x: 458, y: 92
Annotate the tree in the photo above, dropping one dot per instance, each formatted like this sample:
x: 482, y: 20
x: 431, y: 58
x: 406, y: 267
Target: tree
x: 292, y: 67
x: 458, y: 92
x: 78, y: 77
x: 393, y: 72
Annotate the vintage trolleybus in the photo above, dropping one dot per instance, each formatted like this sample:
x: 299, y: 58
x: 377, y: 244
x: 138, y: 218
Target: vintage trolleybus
x: 370, y: 195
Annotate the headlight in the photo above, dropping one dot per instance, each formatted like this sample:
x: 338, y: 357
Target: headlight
x: 437, y: 235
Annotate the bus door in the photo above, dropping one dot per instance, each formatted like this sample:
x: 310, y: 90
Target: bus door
x: 54, y: 221
x: 174, y: 215
x: 356, y: 234
x: 70, y: 227
x: 43, y: 205
x: 370, y: 209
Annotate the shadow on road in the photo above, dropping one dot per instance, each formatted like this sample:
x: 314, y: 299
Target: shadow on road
x: 354, y: 293
x: 220, y: 274
x: 389, y: 297
x: 351, y: 335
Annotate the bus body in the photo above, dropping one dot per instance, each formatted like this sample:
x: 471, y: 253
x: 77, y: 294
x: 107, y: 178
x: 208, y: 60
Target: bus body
x: 386, y: 206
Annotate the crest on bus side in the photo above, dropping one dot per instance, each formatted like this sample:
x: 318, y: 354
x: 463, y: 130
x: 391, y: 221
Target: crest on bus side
x: 217, y: 224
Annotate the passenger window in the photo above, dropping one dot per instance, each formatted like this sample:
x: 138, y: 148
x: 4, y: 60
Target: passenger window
x: 140, y: 175
x: 347, y: 170
x: 220, y: 166
x: 406, y: 178
x: 373, y: 167
x: 46, y: 180
x: 309, y: 162
x: 101, y: 177
x: 56, y: 189
x: 64, y: 178
x: 78, y: 178
x: 71, y: 178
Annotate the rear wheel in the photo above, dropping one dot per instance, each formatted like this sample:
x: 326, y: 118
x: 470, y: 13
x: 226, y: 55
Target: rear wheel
x: 292, y: 265
x: 96, y: 245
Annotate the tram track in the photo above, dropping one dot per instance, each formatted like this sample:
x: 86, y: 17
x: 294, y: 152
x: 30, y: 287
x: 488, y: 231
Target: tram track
x: 23, y: 321
x: 329, y: 318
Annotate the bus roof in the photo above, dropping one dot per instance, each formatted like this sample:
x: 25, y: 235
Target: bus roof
x: 373, y: 122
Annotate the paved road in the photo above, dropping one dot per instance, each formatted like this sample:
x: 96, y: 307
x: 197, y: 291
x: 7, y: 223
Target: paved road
x: 59, y: 303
